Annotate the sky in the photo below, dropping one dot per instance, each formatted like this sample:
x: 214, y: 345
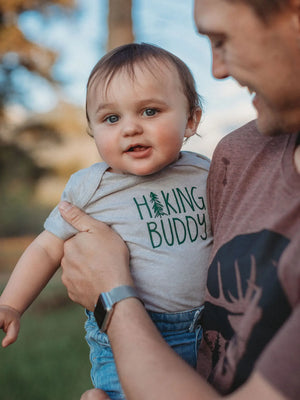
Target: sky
x: 81, y: 41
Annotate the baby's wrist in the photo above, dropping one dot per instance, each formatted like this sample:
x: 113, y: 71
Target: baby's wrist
x: 6, y: 307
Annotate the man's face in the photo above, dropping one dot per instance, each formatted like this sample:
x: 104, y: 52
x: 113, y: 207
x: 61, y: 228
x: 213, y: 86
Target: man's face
x: 263, y: 56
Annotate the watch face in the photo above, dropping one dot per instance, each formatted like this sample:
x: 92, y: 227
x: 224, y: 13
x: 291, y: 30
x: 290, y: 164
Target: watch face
x: 106, y: 301
x: 100, y: 312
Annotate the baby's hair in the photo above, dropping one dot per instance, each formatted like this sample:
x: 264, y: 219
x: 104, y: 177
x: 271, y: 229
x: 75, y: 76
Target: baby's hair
x: 127, y: 56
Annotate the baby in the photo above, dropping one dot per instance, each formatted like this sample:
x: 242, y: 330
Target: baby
x: 141, y: 105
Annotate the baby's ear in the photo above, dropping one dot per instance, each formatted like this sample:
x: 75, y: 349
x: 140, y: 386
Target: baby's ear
x: 193, y: 122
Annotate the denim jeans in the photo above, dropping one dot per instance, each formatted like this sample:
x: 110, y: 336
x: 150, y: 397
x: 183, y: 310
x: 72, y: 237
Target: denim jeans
x: 181, y: 330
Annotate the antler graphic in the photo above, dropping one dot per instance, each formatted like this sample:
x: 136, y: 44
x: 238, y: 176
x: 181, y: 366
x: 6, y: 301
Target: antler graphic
x: 239, y: 304
x: 245, y: 314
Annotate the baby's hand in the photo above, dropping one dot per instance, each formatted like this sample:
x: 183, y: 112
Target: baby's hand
x: 94, y: 394
x: 10, y: 323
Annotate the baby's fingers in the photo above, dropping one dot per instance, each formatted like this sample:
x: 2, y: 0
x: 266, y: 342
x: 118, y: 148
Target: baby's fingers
x: 94, y: 394
x: 12, y: 331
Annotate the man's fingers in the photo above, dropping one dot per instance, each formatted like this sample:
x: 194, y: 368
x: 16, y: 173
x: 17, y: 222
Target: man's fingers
x: 75, y: 217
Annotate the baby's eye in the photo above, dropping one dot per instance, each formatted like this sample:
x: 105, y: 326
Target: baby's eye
x: 149, y: 112
x: 112, y: 119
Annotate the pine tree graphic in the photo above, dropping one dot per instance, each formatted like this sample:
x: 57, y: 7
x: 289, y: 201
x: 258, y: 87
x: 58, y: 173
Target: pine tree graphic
x: 158, y: 208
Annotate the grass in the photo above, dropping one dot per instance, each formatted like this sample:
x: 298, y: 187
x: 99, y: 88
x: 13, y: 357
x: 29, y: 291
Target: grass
x: 50, y: 358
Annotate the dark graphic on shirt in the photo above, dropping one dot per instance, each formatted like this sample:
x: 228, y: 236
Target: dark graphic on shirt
x: 157, y: 206
x: 245, y: 306
x: 226, y: 162
x: 173, y: 217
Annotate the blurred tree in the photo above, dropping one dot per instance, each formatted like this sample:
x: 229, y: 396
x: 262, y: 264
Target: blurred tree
x: 16, y: 51
x: 18, y: 173
x: 120, y: 30
x: 19, y: 170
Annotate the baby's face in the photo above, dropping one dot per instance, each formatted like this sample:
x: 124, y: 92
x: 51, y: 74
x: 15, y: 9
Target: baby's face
x: 139, y: 122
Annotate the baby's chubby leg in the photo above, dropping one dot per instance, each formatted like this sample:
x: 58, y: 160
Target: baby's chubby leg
x: 94, y: 394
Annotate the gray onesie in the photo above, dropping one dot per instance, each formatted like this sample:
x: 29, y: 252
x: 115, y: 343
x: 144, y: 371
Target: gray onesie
x: 163, y: 219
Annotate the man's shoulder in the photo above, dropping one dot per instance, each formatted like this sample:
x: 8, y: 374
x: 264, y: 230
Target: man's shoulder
x: 241, y: 143
x: 244, y: 134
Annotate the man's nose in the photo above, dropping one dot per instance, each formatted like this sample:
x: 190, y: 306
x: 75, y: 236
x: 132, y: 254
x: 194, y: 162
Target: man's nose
x: 219, y: 66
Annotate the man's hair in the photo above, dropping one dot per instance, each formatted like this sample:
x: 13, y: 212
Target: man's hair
x: 126, y: 57
x: 265, y: 8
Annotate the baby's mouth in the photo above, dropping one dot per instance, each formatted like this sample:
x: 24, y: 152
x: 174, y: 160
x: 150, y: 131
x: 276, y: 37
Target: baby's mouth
x: 137, y: 148
x: 138, y: 151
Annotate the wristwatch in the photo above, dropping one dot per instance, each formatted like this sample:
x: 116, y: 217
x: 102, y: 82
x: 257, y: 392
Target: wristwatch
x: 105, y: 305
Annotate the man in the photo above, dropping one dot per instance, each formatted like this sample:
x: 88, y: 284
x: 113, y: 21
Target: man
x: 252, y: 318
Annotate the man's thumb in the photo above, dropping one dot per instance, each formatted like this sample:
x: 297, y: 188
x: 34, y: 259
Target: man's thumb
x: 75, y: 217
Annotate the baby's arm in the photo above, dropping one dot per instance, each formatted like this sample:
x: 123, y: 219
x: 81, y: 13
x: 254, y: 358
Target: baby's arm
x: 32, y: 272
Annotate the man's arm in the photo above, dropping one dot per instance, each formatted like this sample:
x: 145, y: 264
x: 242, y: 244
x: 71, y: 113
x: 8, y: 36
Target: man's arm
x: 96, y: 260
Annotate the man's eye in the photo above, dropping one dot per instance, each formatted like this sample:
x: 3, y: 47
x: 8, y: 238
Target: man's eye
x: 111, y: 119
x: 149, y: 112
x: 217, y: 43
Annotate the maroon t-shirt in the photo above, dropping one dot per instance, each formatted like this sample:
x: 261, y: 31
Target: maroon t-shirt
x: 252, y: 314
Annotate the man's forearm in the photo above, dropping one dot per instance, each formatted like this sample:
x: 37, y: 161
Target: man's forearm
x: 148, y: 368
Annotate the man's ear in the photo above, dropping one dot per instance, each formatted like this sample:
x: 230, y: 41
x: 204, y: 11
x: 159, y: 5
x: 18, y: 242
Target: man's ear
x: 296, y: 3
x: 296, y: 9
x: 193, y: 122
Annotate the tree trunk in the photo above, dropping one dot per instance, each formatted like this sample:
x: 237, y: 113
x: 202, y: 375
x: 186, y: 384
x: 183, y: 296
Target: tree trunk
x: 120, y: 30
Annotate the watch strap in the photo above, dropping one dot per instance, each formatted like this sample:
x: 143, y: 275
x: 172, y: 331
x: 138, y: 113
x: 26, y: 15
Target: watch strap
x: 106, y: 301
x: 119, y: 293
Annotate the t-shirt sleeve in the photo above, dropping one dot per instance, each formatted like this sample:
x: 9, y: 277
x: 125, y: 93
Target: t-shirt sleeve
x: 79, y: 190
x: 280, y: 362
x: 55, y: 223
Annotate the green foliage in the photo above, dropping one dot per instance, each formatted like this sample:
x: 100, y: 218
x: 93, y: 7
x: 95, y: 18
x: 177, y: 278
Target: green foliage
x: 17, y: 168
x: 19, y: 216
x: 18, y: 175
x: 50, y: 359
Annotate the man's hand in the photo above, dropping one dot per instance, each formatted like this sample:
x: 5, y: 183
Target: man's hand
x: 95, y: 260
x: 10, y: 323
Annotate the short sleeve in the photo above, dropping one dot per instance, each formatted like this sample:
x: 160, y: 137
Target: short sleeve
x: 55, y: 223
x: 280, y: 362
x: 78, y: 191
